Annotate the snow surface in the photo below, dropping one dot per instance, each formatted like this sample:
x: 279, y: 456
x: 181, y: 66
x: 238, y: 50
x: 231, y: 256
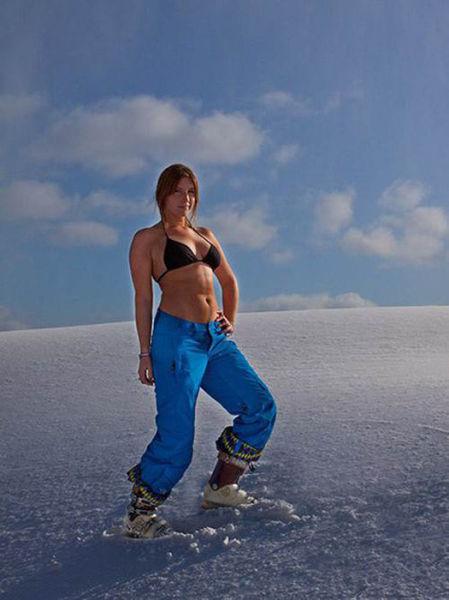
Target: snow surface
x: 360, y: 451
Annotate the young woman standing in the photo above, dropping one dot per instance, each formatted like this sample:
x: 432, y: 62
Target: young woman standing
x: 190, y: 348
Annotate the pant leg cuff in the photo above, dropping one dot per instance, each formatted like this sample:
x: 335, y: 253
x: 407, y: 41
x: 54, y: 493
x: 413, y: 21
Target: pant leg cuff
x: 238, y: 462
x: 134, y: 475
x: 230, y: 444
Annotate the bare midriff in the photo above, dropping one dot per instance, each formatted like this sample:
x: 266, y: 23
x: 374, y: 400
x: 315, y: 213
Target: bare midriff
x: 188, y: 292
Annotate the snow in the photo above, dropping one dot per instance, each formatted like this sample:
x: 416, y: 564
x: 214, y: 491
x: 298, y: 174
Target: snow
x: 355, y: 474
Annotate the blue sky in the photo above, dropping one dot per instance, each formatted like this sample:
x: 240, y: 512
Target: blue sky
x: 318, y: 131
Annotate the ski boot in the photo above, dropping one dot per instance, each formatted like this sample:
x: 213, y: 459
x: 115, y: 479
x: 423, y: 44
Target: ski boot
x: 222, y: 488
x: 141, y: 520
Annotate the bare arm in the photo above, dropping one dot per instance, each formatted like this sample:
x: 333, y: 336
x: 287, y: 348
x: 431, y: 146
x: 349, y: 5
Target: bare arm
x: 230, y: 295
x: 141, y: 267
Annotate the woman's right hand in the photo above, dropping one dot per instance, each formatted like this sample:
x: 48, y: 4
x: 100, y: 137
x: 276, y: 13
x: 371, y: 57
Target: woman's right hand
x: 145, y: 371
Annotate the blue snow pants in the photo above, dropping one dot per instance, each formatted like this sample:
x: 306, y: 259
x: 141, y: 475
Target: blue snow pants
x: 187, y: 355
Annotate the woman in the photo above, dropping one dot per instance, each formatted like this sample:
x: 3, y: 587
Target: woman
x: 190, y: 348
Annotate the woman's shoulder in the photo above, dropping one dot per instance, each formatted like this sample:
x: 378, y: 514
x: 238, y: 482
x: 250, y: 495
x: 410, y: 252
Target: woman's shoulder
x: 204, y: 230
x: 148, y: 234
x: 208, y: 233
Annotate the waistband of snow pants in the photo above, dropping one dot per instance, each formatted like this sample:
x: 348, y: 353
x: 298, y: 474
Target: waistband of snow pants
x: 165, y: 318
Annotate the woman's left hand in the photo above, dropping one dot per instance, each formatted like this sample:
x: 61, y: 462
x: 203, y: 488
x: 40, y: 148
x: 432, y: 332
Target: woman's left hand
x: 226, y: 325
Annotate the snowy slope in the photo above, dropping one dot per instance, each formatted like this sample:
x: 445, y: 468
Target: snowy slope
x: 359, y: 449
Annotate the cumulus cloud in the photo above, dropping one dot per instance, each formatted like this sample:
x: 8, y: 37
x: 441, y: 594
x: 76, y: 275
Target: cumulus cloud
x: 230, y: 139
x: 285, y: 153
x: 114, y: 205
x: 413, y: 234
x: 430, y: 220
x: 8, y: 322
x: 83, y: 233
x: 277, y: 99
x: 281, y: 256
x: 403, y: 195
x: 333, y: 212
x: 379, y: 241
x: 306, y: 302
x: 30, y: 199
x: 245, y: 227
x: 340, y: 97
x: 280, y: 100
x: 121, y: 136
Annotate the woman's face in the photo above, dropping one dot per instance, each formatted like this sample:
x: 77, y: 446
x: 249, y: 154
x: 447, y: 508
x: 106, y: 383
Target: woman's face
x: 182, y: 199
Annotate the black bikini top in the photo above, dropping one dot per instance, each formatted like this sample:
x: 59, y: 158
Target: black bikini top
x: 177, y: 254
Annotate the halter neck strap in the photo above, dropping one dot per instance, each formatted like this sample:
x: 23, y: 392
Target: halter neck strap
x: 188, y: 225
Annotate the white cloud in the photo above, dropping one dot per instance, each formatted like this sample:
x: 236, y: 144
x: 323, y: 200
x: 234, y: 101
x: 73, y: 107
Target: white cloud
x: 83, y: 233
x: 430, y: 220
x: 340, y: 97
x: 8, y: 322
x: 277, y: 99
x: 427, y: 219
x: 122, y: 136
x: 285, y: 153
x: 281, y: 256
x: 230, y: 139
x: 286, y: 101
x: 29, y: 199
x: 280, y: 100
x: 333, y: 212
x: 306, y: 302
x: 115, y: 206
x: 379, y: 241
x: 419, y: 249
x: 403, y: 195
x: 18, y: 106
x: 239, y: 182
x: 243, y: 227
x: 414, y: 235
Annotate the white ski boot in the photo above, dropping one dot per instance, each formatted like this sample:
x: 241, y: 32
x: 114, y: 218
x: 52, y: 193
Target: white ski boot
x: 145, y: 526
x: 142, y: 521
x: 227, y: 495
x: 222, y: 488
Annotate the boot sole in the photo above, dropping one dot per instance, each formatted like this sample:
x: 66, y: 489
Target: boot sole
x: 155, y: 533
x: 207, y: 504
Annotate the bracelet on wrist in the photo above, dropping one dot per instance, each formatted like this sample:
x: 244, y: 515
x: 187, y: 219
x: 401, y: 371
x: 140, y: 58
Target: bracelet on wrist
x: 144, y: 354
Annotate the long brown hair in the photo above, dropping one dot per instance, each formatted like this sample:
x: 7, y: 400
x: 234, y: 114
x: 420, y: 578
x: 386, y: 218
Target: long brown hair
x: 167, y: 183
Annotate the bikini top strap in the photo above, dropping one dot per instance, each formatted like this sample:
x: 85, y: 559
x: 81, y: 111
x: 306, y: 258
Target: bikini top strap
x: 199, y: 233
x: 191, y: 227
